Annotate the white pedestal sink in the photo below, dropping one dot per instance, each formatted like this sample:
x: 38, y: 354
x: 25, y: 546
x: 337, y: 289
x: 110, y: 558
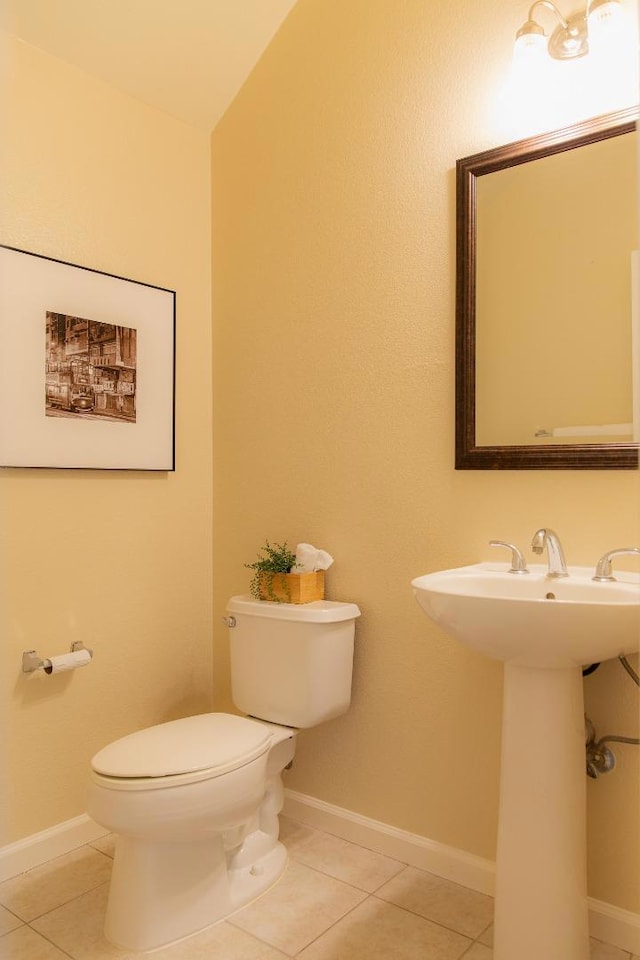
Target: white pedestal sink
x: 545, y: 630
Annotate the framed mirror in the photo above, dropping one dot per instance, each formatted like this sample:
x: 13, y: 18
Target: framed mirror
x: 548, y: 301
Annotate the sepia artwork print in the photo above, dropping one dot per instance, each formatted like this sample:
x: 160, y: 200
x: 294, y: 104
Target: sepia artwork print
x: 90, y: 369
x: 87, y: 367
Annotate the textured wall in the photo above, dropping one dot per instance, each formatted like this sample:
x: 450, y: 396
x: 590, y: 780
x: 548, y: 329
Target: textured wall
x: 333, y: 217
x: 119, y: 560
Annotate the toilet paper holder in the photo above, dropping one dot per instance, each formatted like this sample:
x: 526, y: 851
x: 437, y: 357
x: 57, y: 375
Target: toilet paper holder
x: 31, y: 661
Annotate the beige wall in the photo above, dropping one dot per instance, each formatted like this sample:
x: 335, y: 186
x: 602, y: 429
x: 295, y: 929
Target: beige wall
x: 333, y: 252
x: 333, y: 216
x: 119, y: 560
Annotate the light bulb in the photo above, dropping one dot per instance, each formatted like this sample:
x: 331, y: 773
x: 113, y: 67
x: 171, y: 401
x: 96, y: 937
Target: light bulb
x: 606, y: 25
x: 530, y: 44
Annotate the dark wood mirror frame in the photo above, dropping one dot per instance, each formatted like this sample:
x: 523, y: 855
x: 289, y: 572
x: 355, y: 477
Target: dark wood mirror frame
x: 518, y: 457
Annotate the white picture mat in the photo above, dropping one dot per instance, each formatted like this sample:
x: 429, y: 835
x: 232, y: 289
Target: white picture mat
x: 30, y: 286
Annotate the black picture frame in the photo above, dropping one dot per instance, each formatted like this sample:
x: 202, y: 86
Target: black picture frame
x: 87, y: 367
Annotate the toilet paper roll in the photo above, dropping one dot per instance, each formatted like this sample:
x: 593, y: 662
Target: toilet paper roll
x: 67, y: 661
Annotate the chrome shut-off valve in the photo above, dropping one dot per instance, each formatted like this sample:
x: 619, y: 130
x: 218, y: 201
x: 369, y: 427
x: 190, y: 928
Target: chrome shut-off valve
x: 600, y: 759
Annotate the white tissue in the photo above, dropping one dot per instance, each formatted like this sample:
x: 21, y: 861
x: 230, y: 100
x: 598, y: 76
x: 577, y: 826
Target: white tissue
x: 309, y: 559
x: 67, y: 661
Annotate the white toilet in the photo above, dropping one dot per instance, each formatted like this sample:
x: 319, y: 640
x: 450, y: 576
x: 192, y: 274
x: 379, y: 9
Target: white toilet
x: 195, y: 802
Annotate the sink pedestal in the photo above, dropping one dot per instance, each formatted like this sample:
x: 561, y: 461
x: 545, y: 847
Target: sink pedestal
x: 541, y: 890
x: 542, y: 629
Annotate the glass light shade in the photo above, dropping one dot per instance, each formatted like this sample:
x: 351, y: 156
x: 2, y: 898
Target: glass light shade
x: 529, y: 48
x: 605, y: 23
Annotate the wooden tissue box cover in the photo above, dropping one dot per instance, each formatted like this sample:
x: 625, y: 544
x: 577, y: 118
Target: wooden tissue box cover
x: 293, y: 587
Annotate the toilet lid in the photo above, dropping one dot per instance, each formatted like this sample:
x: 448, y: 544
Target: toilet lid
x: 219, y: 742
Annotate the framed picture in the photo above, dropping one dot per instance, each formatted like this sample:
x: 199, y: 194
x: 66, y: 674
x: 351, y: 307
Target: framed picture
x: 87, y: 367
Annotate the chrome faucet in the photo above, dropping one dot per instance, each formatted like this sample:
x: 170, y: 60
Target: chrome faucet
x: 546, y: 537
x: 518, y: 563
x: 603, y: 569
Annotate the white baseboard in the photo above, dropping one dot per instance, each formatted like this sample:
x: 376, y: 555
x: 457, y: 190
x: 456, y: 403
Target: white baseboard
x: 448, y: 862
x: 620, y: 928
x: 613, y: 925
x: 17, y: 857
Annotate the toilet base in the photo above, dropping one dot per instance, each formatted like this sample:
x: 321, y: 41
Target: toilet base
x: 188, y: 856
x: 161, y: 893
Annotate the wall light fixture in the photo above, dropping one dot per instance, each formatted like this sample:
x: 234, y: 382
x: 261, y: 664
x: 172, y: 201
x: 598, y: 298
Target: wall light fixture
x: 573, y: 36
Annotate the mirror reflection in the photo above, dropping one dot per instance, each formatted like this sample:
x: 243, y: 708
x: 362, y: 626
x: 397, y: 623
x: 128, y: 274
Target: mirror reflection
x: 547, y: 248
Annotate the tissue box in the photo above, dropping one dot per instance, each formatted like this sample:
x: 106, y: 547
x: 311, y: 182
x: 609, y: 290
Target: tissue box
x: 293, y: 587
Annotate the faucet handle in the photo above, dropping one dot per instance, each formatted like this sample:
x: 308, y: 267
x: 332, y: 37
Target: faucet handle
x: 518, y: 563
x: 603, y: 567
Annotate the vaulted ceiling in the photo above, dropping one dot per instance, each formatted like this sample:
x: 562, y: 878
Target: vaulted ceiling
x: 186, y: 57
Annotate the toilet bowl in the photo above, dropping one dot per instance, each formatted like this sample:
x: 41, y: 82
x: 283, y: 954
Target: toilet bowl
x: 197, y: 824
x: 195, y: 802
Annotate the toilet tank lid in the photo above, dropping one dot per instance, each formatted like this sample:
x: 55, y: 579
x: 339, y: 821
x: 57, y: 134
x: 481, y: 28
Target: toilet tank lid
x: 319, y: 611
x: 219, y: 742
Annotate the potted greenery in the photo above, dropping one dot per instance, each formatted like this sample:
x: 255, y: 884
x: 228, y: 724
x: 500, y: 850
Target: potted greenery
x: 274, y: 577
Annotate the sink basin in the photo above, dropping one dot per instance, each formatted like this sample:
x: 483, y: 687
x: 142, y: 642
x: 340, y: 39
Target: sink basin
x: 531, y: 620
x: 544, y: 630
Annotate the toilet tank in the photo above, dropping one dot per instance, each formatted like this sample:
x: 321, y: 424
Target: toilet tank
x: 291, y: 663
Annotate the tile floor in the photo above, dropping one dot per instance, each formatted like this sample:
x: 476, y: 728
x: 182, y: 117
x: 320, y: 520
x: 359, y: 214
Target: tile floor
x: 336, y: 901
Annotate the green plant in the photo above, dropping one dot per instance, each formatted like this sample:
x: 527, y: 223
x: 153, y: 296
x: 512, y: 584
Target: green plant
x: 277, y: 559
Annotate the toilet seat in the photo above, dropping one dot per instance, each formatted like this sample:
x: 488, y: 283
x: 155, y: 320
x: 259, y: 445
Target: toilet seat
x: 180, y: 751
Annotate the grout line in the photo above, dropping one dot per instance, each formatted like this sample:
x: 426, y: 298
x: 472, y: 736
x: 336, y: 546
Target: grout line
x: 349, y: 883
x: 103, y: 852
x: 21, y: 922
x: 438, y: 923
x: 59, y: 906
x: 368, y: 896
x: 467, y: 950
x: 65, y: 903
x: 335, y: 922
x: 57, y: 946
x: 482, y: 933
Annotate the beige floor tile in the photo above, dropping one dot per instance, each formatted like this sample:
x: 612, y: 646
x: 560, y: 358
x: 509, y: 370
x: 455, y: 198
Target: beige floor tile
x: 77, y: 927
x: 106, y: 845
x: 44, y: 888
x: 456, y: 907
x: 599, y: 950
x: 604, y: 951
x: 295, y: 835
x: 346, y: 861
x: 8, y: 921
x: 315, y: 908
x: 26, y: 944
x: 300, y: 907
x: 220, y: 942
x: 376, y: 930
x: 479, y: 952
